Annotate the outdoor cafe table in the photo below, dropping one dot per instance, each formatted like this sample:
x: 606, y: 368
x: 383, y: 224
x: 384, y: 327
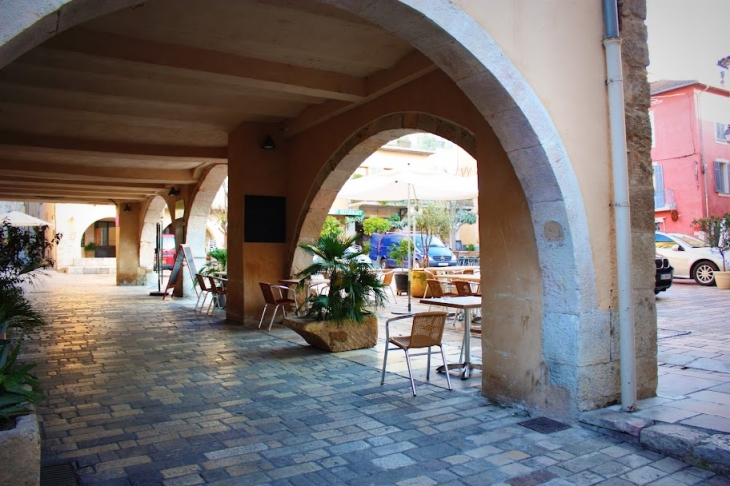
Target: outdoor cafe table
x: 467, y: 304
x: 456, y: 269
x: 293, y: 282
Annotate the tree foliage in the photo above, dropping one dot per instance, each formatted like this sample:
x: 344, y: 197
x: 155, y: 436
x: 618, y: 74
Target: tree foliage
x: 375, y: 224
x: 331, y: 227
x: 717, y: 233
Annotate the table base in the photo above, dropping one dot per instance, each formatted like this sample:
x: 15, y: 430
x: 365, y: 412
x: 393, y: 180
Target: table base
x: 464, y: 369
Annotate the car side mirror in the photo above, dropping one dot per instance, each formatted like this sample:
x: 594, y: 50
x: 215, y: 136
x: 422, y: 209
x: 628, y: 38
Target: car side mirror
x: 677, y: 248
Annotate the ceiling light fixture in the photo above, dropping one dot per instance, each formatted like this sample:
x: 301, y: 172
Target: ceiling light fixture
x: 127, y: 208
x: 173, y: 192
x: 268, y: 143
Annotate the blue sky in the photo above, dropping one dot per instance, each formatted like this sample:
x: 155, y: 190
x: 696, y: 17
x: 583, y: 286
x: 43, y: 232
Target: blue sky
x: 687, y: 38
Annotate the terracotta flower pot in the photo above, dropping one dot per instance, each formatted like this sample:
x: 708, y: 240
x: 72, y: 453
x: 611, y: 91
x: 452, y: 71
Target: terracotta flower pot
x: 722, y: 280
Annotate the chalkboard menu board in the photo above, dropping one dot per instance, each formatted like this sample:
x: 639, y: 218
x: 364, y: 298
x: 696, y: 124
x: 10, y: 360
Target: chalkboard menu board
x: 264, y: 219
x: 183, y: 253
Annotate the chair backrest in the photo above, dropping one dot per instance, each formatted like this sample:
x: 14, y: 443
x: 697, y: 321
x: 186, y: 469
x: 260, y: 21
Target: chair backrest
x: 435, y: 287
x: 214, y: 286
x: 387, y: 278
x: 468, y: 271
x: 268, y: 294
x: 463, y: 287
x: 201, y: 282
x: 429, y: 274
x: 428, y: 329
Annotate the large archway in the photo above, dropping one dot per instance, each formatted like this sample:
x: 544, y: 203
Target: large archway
x: 576, y: 340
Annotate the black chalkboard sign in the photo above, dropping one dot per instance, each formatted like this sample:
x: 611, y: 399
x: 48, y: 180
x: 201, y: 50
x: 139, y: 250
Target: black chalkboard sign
x: 264, y: 219
x: 183, y: 253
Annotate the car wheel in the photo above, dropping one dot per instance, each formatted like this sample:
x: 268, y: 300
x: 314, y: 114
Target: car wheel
x: 383, y: 263
x: 703, y: 273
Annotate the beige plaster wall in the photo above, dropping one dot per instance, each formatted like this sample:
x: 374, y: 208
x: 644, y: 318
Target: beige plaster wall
x: 536, y: 36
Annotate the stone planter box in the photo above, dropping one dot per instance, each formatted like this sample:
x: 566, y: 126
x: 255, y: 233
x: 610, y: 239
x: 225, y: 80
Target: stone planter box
x: 20, y: 453
x: 335, y: 337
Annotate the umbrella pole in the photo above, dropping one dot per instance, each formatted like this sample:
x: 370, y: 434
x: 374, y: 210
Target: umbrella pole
x: 410, y: 261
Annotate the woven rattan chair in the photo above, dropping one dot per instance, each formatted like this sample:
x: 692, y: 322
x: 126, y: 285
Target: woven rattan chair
x: 387, y: 282
x: 464, y: 288
x: 271, y: 301
x: 427, y: 331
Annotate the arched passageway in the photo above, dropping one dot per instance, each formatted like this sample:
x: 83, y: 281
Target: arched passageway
x: 553, y: 346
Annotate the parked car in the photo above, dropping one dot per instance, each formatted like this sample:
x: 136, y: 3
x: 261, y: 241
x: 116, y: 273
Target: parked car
x: 439, y: 255
x: 690, y: 256
x: 664, y: 274
x: 168, y: 252
x: 351, y: 250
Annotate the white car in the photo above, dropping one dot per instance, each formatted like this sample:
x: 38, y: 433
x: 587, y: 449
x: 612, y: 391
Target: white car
x: 690, y: 256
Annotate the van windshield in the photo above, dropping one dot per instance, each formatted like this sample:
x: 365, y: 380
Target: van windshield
x: 435, y: 242
x: 168, y: 242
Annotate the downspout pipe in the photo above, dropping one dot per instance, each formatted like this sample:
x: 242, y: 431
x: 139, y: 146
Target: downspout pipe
x: 620, y: 204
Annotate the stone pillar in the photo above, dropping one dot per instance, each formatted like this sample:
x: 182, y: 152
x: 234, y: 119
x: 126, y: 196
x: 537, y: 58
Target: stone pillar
x: 635, y: 56
x: 252, y: 171
x: 128, y: 270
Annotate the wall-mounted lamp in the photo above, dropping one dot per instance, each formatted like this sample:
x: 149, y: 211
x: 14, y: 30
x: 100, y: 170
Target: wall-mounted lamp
x: 127, y: 208
x: 268, y: 143
x: 173, y: 191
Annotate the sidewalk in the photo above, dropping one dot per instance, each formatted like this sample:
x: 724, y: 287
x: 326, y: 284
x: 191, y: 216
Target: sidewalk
x: 145, y: 391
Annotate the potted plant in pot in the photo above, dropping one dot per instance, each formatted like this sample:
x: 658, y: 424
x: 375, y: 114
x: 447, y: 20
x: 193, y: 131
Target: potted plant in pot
x: 90, y: 249
x: 717, y: 235
x: 400, y: 254
x: 23, y: 253
x: 339, y: 319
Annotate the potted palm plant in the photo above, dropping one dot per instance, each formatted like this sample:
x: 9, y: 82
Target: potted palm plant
x: 340, y: 318
x: 717, y: 234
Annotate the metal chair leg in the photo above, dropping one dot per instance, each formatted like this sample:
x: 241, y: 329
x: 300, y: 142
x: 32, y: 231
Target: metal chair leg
x: 410, y: 372
x: 266, y: 306
x: 446, y: 367
x: 276, y: 309
x: 385, y: 362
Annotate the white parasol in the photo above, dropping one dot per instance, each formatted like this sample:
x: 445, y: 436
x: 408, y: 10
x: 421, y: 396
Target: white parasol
x: 18, y: 219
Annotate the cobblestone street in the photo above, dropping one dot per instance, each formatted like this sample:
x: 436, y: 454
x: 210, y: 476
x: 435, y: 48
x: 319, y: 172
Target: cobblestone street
x: 143, y: 391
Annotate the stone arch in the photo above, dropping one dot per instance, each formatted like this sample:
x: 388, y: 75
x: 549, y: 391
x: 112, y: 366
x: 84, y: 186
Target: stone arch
x: 196, y: 217
x: 463, y: 50
x: 353, y: 152
x: 152, y: 216
x: 460, y: 47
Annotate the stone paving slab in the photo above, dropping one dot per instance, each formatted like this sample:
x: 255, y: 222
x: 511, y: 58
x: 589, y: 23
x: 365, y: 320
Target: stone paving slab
x: 141, y: 391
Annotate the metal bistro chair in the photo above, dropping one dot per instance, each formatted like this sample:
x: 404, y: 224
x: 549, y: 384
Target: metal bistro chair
x: 427, y: 331
x: 204, y: 292
x: 217, y: 292
x: 271, y: 301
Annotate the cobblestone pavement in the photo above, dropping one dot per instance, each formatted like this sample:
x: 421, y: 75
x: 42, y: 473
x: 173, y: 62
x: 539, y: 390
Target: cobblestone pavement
x: 143, y: 391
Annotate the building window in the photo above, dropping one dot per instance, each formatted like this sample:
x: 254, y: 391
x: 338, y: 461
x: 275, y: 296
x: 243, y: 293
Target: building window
x: 720, y: 132
x: 659, y: 200
x: 722, y: 179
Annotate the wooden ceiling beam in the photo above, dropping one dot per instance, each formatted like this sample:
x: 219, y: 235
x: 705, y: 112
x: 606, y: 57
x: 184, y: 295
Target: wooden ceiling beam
x: 45, y: 170
x: 167, y: 152
x: 257, y: 72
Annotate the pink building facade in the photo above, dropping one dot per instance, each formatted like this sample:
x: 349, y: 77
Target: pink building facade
x: 690, y: 153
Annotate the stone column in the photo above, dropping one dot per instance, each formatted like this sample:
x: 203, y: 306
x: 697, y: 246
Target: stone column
x: 252, y: 171
x: 128, y: 270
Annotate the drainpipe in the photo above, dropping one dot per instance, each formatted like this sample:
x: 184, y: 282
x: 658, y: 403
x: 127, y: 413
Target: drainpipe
x: 617, y: 125
x: 703, y: 166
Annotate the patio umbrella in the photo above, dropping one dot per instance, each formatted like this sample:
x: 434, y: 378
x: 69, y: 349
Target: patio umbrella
x: 18, y: 219
x: 401, y: 185
x: 408, y: 185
